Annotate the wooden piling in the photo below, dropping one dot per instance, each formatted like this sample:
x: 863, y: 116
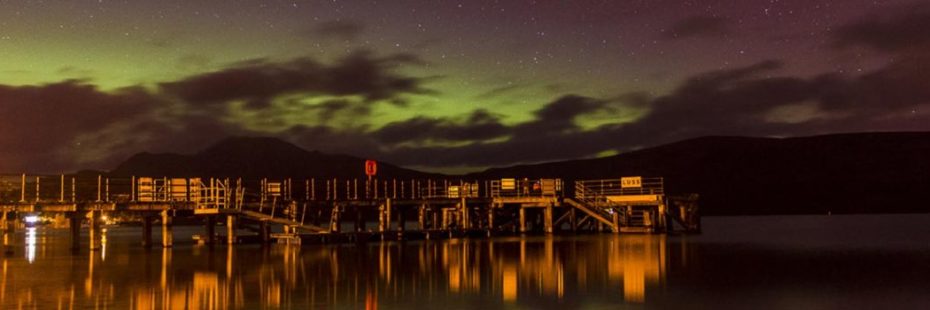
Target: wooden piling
x: 382, y: 218
x: 388, y: 210
x: 210, y: 230
x: 61, y: 198
x: 22, y: 187
x: 359, y: 220
x: 74, y: 224
x: 167, y: 234
x: 264, y: 232
x: 421, y: 217
x: 93, y: 220
x: 132, y: 194
x: 615, y: 221
x: 231, y: 226
x: 8, y: 243
x: 491, y: 226
x: 573, y: 220
x: 466, y: 220
x: 401, y: 220
x: 334, y: 221
x: 547, y: 219
x: 147, y: 231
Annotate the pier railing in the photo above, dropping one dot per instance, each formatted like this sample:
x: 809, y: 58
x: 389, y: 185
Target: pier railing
x: 593, y: 190
x: 512, y: 187
x: 227, y: 192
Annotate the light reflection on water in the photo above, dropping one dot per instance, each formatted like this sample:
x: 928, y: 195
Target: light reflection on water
x: 31, y: 244
x: 388, y: 274
x: 605, y: 271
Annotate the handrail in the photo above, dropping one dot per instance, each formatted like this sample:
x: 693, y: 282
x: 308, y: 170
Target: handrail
x: 513, y: 187
x: 592, y: 189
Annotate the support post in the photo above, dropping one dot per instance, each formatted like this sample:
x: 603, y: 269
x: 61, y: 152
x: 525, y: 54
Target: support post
x: 61, y: 198
x: 445, y: 218
x: 387, y: 208
x: 133, y: 193
x: 22, y: 187
x: 421, y: 217
x: 264, y: 232
x: 303, y: 213
x: 8, y: 231
x: 663, y: 217
x: 359, y: 221
x: 490, y: 218
x: 231, y: 229
x: 615, y: 228
x: 466, y: 221
x: 334, y: 220
x: 401, y: 219
x: 74, y: 224
x: 629, y: 215
x: 93, y: 218
x: 573, y: 219
x: 547, y: 219
x: 99, y: 185
x: 147, y: 231
x: 210, y: 230
x: 522, y: 219
x: 382, y: 212
x: 167, y: 234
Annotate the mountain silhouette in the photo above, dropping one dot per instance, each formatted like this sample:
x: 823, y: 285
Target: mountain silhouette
x: 842, y: 173
x: 256, y: 157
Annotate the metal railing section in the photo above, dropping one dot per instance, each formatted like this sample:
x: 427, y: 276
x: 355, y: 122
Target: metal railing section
x: 513, y: 187
x: 595, y: 190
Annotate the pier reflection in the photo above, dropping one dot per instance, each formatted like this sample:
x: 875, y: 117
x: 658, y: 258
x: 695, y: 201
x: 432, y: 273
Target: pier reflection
x: 531, y: 271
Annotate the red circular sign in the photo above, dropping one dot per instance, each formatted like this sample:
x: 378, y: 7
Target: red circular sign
x: 371, y: 167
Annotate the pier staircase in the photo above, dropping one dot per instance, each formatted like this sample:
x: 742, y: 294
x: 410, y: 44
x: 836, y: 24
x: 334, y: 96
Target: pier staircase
x: 628, y: 204
x: 592, y: 211
x: 262, y: 217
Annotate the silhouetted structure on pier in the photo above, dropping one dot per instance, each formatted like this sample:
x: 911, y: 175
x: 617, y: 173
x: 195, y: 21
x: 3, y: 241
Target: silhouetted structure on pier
x: 316, y: 210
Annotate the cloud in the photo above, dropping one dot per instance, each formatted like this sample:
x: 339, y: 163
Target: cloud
x: 73, y: 124
x: 338, y: 29
x: 480, y: 125
x: 890, y: 32
x: 333, y: 107
x: 498, y: 91
x: 37, y: 120
x: 558, y: 117
x: 698, y: 26
x: 745, y: 101
x: 259, y: 82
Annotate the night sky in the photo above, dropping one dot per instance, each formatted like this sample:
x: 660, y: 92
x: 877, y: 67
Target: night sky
x: 448, y: 86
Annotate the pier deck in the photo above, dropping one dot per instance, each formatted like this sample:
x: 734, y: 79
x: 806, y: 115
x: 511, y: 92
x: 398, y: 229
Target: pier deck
x: 317, y: 209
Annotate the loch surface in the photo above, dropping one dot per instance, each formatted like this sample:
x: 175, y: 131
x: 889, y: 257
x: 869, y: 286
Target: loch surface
x: 768, y: 262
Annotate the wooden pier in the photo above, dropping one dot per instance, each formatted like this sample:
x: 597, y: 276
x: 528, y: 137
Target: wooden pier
x: 316, y: 210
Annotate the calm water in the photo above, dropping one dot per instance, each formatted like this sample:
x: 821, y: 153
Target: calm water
x: 783, y: 262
